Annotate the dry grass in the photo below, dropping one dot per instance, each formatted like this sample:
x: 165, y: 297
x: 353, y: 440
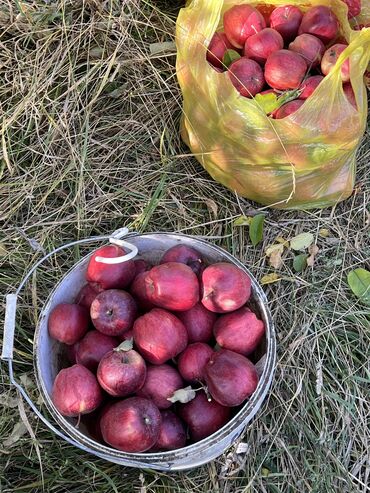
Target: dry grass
x: 90, y: 143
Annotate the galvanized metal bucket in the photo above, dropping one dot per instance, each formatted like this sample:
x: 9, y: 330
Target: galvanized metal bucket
x: 48, y: 352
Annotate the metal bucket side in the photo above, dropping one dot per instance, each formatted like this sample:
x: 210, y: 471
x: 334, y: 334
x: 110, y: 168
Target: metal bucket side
x: 47, y: 363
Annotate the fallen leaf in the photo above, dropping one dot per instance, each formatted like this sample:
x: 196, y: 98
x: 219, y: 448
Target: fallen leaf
x: 6, y: 400
x: 166, y: 46
x: 301, y: 241
x: 26, y: 381
x: 283, y: 241
x: 242, y: 221
x: 359, y: 282
x: 313, y: 250
x: 18, y: 431
x: 256, y: 229
x: 268, y: 102
x: 274, y: 253
x: 182, y: 395
x: 212, y: 207
x: 300, y: 262
x: 324, y: 233
x: 269, y: 278
x: 265, y: 472
x: 3, y: 250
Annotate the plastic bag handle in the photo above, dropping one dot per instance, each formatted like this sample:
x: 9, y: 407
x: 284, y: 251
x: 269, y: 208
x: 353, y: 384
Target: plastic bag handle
x: 360, y: 39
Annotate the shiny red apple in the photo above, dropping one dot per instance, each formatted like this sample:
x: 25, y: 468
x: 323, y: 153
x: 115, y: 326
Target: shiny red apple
x: 159, y: 336
x: 76, y: 391
x: 68, y: 322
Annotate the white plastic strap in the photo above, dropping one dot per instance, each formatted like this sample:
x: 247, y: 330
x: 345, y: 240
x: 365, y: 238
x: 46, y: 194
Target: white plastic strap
x: 115, y: 239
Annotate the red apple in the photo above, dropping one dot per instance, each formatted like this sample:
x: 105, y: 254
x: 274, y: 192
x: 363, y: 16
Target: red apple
x: 354, y: 8
x: 113, y: 312
x: 330, y: 58
x: 160, y: 384
x: 309, y: 47
x: 246, y: 76
x: 185, y: 255
x: 121, y: 373
x: 309, y: 85
x: 286, y: 21
x: 141, y: 265
x: 240, y: 331
x: 192, y: 361
x: 240, y: 22
x: 199, y: 323
x: 260, y: 46
x: 203, y: 417
x: 76, y: 391
x: 93, y: 347
x: 110, y: 276
x: 87, y: 294
x: 138, y: 291
x: 173, y: 286
x: 216, y: 50
x: 68, y: 322
x: 225, y: 287
x: 348, y: 91
x: 321, y: 22
x: 172, y: 434
x: 131, y: 425
x: 127, y: 335
x: 288, y: 108
x: 159, y: 336
x: 230, y: 377
x: 285, y: 69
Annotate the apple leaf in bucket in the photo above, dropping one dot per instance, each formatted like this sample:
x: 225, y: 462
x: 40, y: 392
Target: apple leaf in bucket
x: 126, y: 345
x: 359, y: 282
x: 229, y: 57
x: 184, y: 395
x: 256, y: 229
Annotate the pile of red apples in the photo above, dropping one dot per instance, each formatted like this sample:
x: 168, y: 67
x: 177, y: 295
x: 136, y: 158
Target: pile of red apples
x: 283, y: 51
x: 159, y: 356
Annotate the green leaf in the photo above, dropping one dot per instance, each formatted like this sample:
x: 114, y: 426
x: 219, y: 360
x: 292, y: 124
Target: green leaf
x: 126, y: 345
x: 256, y: 229
x: 182, y: 395
x: 242, y: 221
x: 268, y: 102
x: 300, y: 262
x: 302, y: 241
x: 359, y: 282
x: 229, y: 57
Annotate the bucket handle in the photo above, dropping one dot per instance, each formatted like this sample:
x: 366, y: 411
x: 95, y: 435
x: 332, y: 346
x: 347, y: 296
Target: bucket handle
x: 9, y: 327
x: 11, y: 299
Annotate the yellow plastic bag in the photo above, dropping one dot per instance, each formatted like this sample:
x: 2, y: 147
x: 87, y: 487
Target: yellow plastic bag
x: 303, y: 161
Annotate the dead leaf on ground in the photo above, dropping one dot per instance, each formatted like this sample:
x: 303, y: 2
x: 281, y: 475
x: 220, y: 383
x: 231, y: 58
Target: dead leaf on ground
x: 274, y: 253
x: 270, y: 278
x: 313, y: 250
x: 18, y: 431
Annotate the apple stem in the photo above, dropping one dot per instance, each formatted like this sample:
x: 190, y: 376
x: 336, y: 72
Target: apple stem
x: 78, y: 421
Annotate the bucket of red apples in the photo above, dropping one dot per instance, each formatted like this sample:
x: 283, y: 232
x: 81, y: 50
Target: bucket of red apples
x: 281, y: 51
x: 158, y: 360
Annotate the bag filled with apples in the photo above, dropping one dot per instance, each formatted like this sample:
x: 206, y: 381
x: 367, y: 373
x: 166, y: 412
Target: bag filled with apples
x: 157, y: 357
x: 274, y: 97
